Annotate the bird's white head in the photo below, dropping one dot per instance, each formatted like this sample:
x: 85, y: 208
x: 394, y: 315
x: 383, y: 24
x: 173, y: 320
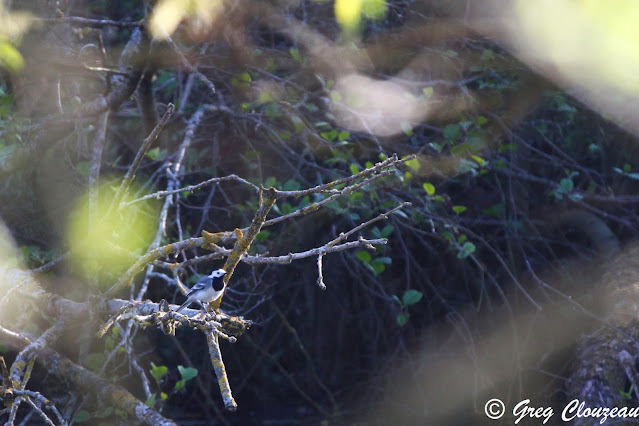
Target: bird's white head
x: 218, y: 273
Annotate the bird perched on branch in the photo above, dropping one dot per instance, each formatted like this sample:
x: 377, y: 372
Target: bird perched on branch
x: 207, y: 289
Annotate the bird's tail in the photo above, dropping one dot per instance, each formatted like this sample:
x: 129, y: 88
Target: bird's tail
x: 184, y: 305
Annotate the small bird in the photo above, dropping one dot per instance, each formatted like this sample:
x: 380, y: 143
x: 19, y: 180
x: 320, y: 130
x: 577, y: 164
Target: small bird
x: 207, y: 289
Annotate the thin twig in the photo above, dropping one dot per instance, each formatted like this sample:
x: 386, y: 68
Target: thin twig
x: 87, y: 22
x: 320, y: 273
x: 146, y: 144
x: 344, y: 236
x: 94, y: 172
x: 325, y: 249
x: 191, y: 188
x: 190, y: 67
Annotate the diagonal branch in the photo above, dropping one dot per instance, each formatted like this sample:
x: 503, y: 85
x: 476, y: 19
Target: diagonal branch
x: 146, y: 144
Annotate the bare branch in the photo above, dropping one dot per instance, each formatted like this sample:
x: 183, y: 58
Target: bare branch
x: 191, y: 68
x: 28, y: 353
x: 320, y: 274
x: 325, y: 249
x: 39, y: 403
x: 390, y: 162
x: 146, y: 144
x: 191, y: 188
x: 96, y: 23
x: 344, y: 236
x: 220, y: 370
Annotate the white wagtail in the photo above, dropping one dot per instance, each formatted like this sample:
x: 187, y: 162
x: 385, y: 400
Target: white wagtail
x: 207, y: 289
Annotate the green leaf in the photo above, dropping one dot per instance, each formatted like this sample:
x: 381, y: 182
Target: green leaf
x: 438, y: 198
x: 286, y: 208
x: 428, y: 91
x: 187, y: 373
x: 158, y: 371
x: 179, y: 385
x: 156, y: 154
x: 378, y: 268
x: 241, y: 81
x: 329, y: 136
x: 343, y: 135
x: 413, y: 164
x: 565, y: 186
x: 478, y: 160
x: 354, y: 168
x: 264, y: 97
x: 429, y: 188
x: 164, y: 396
x: 461, y: 149
x: 270, y: 182
x: 437, y: 147
x: 295, y: 54
x: 466, y: 250
x: 382, y: 259
x: 262, y: 236
x: 82, y: 416
x: 459, y: 209
x: 452, y: 131
x: 402, y: 318
x: 363, y: 255
x: 150, y: 401
x: 412, y: 297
